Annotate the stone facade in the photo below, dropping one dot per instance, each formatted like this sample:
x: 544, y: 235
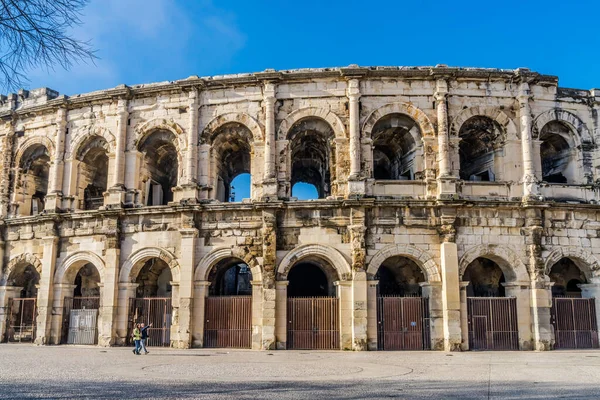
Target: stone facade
x: 444, y: 167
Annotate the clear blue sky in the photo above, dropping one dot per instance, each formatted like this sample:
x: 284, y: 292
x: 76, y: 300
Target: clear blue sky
x: 141, y: 41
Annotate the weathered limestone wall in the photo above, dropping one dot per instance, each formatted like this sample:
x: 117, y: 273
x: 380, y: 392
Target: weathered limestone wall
x: 291, y: 124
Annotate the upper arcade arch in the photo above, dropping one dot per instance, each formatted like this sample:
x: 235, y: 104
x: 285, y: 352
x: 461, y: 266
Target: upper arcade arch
x: 147, y: 128
x: 135, y: 263
x: 18, y: 263
x: 585, y: 261
x: 583, y: 135
x: 315, y: 251
x: 420, y: 257
x: 28, y: 144
x: 85, y: 135
x: 211, y: 129
x: 73, y: 263
x: 296, y: 116
x: 493, y: 113
x: 423, y: 121
x: 207, y: 262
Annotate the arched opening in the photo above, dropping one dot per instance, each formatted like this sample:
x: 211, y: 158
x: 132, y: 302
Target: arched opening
x: 402, y: 314
x: 231, y: 146
x: 313, y: 309
x: 228, y: 309
x: 305, y: 191
x: 81, y: 306
x: 92, y: 178
x: 485, y: 279
x: 400, y: 276
x: 492, y: 317
x: 33, y: 181
x: 152, y: 303
x: 566, y: 275
x: 22, y: 305
x: 481, y: 138
x: 394, y: 147
x: 160, y: 168
x: 312, y: 154
x: 154, y: 279
x: 558, y: 156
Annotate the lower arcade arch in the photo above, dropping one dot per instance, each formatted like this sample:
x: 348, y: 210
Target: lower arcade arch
x: 21, y: 293
x: 228, y: 306
x: 403, y: 321
x: 80, y: 289
x: 491, y: 314
x: 152, y: 303
x: 573, y: 312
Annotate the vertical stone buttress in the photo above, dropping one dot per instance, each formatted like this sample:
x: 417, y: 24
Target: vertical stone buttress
x: 6, y: 144
x: 107, y: 320
x: 356, y: 184
x: 189, y: 237
x: 54, y: 197
x: 269, y: 292
x: 190, y: 184
x: 450, y: 286
x: 116, y: 190
x: 446, y: 182
x: 357, y: 231
x: 46, y: 290
x: 529, y: 182
x: 270, y: 170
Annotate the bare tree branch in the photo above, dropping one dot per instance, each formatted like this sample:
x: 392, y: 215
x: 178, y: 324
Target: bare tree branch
x: 36, y: 33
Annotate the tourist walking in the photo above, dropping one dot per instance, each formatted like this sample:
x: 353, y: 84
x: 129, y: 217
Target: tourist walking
x: 137, y: 339
x: 144, y: 332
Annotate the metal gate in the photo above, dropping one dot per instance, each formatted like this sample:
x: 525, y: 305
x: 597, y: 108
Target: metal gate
x: 228, y: 322
x: 493, y: 323
x: 313, y: 323
x: 574, y: 322
x: 151, y: 310
x: 84, y: 330
x: 403, y: 323
x: 20, y: 326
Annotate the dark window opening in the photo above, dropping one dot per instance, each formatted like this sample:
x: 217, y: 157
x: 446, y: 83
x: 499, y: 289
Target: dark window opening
x: 154, y: 279
x: 556, y: 153
x: 230, y: 277
x: 485, y: 279
x: 395, y: 147
x: 400, y: 276
x: 480, y: 137
x: 308, y: 279
x: 33, y: 185
x: 87, y: 282
x: 26, y: 277
x: 566, y: 275
x: 161, y: 168
x: 93, y: 172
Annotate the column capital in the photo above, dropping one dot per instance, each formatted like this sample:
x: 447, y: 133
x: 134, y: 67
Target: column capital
x: 269, y: 90
x: 50, y: 240
x: 524, y: 92
x: 188, y: 233
x: 373, y: 282
x: 342, y: 283
x: 353, y: 89
x: 281, y: 284
x: 128, y: 285
x: 200, y: 284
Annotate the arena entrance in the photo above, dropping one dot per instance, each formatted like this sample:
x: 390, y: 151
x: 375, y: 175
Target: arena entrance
x: 573, y: 317
x: 22, y: 310
x: 152, y: 304
x: 402, y: 312
x: 228, y: 307
x: 312, y: 308
x: 80, y: 310
x: 492, y: 317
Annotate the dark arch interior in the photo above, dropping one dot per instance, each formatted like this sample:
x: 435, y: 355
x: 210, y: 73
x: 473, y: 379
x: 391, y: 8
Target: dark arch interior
x: 86, y: 282
x: 35, y: 168
x: 311, y: 154
x: 480, y: 136
x: 26, y: 277
x: 93, y: 172
x: 154, y: 279
x: 555, y: 152
x: 566, y: 275
x: 231, y: 147
x: 394, y: 147
x: 230, y: 277
x: 485, y: 279
x: 400, y: 276
x: 161, y: 167
x: 310, y: 280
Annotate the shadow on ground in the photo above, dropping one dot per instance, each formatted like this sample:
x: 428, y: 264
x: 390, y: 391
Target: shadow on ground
x: 294, y: 390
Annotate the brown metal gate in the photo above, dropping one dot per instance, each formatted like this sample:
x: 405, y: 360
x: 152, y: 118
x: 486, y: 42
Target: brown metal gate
x: 493, y: 323
x: 313, y: 323
x: 228, y: 322
x: 574, y: 322
x: 151, y: 310
x: 403, y: 323
x: 20, y: 326
x: 78, y: 303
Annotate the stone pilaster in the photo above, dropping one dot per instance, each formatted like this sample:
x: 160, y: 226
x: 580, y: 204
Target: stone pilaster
x: 530, y: 187
x: 433, y: 291
x: 450, y: 291
x: 269, y: 239
x: 107, y: 320
x: 204, y: 173
x: 356, y: 184
x: 345, y: 294
x: 464, y: 316
x: 54, y: 197
x: 198, y: 312
x: 46, y: 290
x: 189, y: 188
x: 270, y: 170
x: 372, y: 314
x: 187, y: 263
x: 6, y: 144
x: 60, y: 291
x: 520, y: 290
x: 281, y: 314
x: 116, y: 191
x: 446, y: 181
x: 127, y: 291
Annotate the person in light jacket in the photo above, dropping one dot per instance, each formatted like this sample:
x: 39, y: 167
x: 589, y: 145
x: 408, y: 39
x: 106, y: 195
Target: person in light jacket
x: 137, y: 339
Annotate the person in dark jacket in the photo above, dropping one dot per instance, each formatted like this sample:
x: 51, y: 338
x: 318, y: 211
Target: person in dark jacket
x: 144, y: 332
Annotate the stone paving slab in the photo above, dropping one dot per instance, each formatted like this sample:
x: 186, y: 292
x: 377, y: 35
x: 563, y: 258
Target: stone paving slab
x: 62, y: 372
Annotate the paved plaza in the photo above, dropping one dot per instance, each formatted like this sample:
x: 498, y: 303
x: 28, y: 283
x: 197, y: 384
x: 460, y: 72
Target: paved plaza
x: 28, y: 371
